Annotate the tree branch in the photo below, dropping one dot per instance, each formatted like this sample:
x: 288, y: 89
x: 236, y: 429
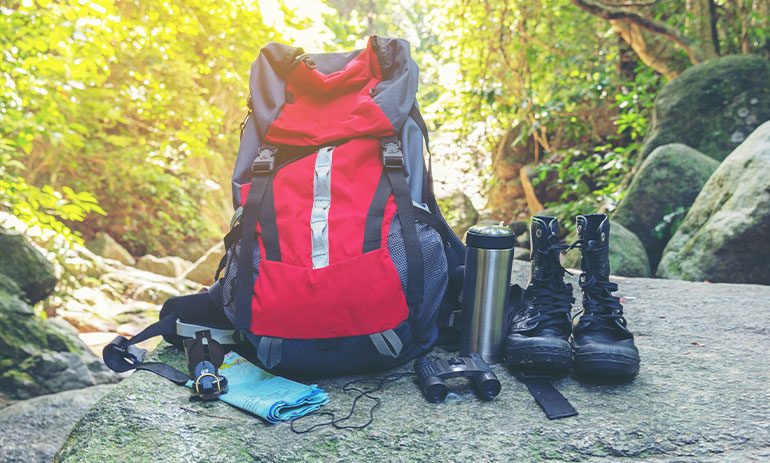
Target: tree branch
x: 630, y: 4
x: 609, y: 12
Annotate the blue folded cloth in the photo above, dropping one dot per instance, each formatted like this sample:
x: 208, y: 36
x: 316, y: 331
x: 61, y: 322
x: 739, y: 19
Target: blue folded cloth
x: 268, y: 396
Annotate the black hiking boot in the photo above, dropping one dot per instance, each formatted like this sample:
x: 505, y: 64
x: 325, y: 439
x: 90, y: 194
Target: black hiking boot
x: 540, y: 326
x: 604, y: 347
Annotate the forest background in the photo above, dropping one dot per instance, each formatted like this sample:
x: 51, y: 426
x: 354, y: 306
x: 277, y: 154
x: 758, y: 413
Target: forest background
x: 123, y: 116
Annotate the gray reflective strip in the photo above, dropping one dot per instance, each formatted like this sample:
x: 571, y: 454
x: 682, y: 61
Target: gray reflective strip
x: 269, y: 351
x: 387, y: 343
x: 188, y: 330
x: 322, y: 197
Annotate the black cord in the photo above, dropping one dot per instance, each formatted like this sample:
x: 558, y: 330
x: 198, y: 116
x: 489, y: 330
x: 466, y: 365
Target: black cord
x: 353, y: 386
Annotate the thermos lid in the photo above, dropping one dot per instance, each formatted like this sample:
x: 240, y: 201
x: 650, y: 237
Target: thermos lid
x: 490, y: 237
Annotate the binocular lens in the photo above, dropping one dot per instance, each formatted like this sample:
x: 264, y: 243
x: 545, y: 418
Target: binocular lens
x: 436, y: 392
x: 488, y: 388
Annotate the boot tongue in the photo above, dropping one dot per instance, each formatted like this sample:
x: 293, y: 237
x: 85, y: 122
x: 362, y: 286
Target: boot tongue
x: 544, y: 231
x: 594, y: 231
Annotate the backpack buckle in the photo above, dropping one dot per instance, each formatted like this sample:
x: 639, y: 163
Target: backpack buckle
x: 265, y: 161
x: 392, y: 157
x: 208, y: 386
x: 204, y: 357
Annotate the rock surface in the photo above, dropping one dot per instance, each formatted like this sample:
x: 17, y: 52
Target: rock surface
x: 701, y: 396
x: 521, y: 253
x: 713, y: 106
x: 26, y: 266
x: 37, y: 356
x: 627, y: 254
x: 41, y: 356
x: 668, y: 181
x: 203, y: 270
x: 725, y: 236
x: 169, y: 266
x: 458, y: 211
x: 103, y: 245
x: 40, y: 425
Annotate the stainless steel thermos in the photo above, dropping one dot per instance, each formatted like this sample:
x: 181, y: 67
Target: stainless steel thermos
x: 486, y: 290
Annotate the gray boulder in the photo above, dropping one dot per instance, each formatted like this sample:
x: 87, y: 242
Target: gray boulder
x: 712, y: 107
x: 521, y: 253
x: 204, y: 269
x: 40, y: 425
x: 627, y: 254
x: 725, y: 236
x: 459, y: 211
x: 665, y: 185
x: 170, y: 266
x: 191, y: 251
x: 30, y: 271
x: 41, y: 356
x: 104, y: 245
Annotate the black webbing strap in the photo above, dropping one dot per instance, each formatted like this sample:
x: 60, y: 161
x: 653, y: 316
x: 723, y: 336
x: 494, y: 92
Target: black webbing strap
x: 434, y: 222
x: 415, y: 114
x: 269, y: 225
x: 393, y: 161
x: 122, y: 355
x: 262, y: 170
x: 376, y: 214
x: 547, y: 396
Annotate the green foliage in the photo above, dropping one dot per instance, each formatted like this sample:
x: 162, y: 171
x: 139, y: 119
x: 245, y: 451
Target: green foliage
x: 541, y: 67
x: 594, y: 180
x: 137, y: 103
x: 46, y: 208
x: 671, y: 222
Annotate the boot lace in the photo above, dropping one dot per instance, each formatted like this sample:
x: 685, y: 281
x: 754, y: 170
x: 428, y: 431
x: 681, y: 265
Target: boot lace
x: 552, y: 302
x: 600, y: 307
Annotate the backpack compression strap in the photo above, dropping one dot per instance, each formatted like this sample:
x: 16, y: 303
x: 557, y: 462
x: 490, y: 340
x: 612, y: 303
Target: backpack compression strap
x: 394, y: 169
x: 261, y: 188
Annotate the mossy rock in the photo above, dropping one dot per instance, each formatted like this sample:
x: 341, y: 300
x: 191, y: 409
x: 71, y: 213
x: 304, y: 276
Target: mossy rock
x: 712, y: 107
x: 725, y: 236
x: 627, y: 254
x: 668, y: 180
x: 40, y: 356
x: 459, y: 212
x: 26, y: 266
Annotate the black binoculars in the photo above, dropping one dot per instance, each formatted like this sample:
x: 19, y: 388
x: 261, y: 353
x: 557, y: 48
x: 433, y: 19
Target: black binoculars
x: 431, y: 376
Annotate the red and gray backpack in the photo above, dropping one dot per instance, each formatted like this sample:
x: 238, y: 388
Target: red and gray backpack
x: 338, y: 260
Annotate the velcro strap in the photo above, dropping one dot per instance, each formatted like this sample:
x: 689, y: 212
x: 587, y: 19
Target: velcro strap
x: 547, y: 396
x: 166, y: 371
x: 121, y: 357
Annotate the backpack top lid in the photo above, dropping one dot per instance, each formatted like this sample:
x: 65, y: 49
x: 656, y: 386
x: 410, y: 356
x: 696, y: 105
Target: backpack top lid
x: 305, y: 99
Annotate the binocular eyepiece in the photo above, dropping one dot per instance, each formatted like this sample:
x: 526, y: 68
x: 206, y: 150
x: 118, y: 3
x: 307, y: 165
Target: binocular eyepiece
x: 431, y: 376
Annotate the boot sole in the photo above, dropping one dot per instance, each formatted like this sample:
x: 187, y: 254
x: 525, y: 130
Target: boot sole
x: 603, y: 365
x: 539, y: 355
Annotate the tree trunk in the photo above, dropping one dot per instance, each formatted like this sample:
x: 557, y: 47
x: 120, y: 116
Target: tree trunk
x: 657, y: 52
x: 655, y: 41
x: 698, y: 26
x: 744, y: 14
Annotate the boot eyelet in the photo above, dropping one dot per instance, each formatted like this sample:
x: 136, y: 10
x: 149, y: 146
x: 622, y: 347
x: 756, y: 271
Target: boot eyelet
x: 603, y: 237
x: 539, y: 233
